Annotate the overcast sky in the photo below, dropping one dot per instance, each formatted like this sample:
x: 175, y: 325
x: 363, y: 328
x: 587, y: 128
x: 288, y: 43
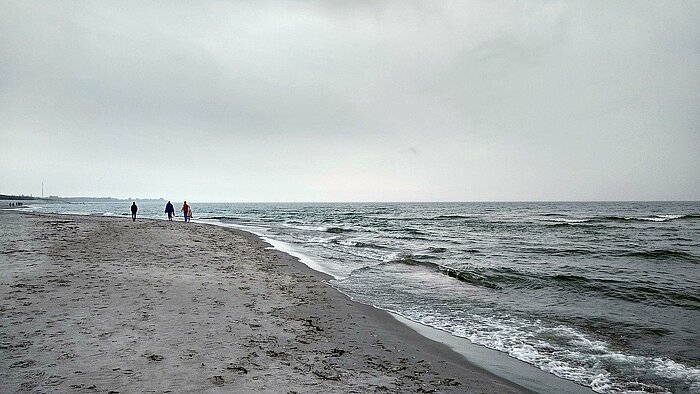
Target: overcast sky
x: 351, y: 100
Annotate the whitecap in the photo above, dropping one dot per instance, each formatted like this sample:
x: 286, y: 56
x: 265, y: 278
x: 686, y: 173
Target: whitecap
x: 564, y: 220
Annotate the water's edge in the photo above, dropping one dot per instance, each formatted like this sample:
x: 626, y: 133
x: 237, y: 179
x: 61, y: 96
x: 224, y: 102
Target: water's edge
x: 498, y: 363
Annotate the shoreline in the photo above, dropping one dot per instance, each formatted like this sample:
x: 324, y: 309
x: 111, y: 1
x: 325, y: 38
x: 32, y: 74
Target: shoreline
x: 304, y: 334
x: 493, y: 361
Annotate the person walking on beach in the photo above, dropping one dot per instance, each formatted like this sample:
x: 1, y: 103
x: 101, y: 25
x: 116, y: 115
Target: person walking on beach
x: 134, y: 208
x: 186, y: 211
x: 170, y: 210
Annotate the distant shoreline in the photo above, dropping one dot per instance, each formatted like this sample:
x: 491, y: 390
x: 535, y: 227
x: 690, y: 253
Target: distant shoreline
x: 12, y: 197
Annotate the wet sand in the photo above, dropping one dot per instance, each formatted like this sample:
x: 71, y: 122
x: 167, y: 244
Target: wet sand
x: 110, y: 305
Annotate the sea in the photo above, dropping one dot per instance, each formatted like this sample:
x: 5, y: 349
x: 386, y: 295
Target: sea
x: 604, y: 294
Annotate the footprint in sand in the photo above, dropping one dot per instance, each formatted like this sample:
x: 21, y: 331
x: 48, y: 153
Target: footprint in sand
x: 23, y: 364
x: 154, y: 357
x: 54, y: 380
x: 217, y: 380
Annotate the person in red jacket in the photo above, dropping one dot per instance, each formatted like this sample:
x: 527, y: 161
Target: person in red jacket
x: 186, y: 210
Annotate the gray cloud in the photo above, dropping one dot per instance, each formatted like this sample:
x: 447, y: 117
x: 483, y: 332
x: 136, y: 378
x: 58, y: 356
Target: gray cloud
x: 322, y: 100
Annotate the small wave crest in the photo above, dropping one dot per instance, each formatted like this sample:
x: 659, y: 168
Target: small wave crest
x: 558, y: 219
x: 565, y: 220
x: 563, y: 252
x: 357, y: 244
x: 664, y: 254
x: 650, y: 218
x: 321, y: 240
x: 451, y: 217
x: 624, y: 291
x: 461, y: 275
x: 219, y: 218
x: 338, y: 230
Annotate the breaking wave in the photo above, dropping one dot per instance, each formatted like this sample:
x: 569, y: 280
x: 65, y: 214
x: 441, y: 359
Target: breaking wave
x: 338, y: 230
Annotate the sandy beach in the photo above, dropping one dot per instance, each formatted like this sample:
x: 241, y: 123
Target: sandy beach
x: 104, y: 304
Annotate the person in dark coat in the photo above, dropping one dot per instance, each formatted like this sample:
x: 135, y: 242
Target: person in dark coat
x: 134, y: 208
x: 170, y: 210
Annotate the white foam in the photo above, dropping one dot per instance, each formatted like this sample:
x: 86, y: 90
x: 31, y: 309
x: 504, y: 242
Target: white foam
x: 670, y: 217
x: 305, y: 228
x: 304, y: 258
x: 321, y: 240
x: 584, y: 360
x: 648, y: 219
x: 601, y: 383
x: 563, y: 220
x: 658, y: 218
x: 391, y: 257
x: 497, y: 362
